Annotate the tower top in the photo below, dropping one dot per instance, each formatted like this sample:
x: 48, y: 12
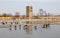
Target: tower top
x: 29, y: 11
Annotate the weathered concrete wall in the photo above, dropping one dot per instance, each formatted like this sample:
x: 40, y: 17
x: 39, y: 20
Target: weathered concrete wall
x: 47, y: 19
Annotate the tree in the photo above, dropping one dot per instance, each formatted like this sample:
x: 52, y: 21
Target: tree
x: 17, y: 14
x: 4, y: 14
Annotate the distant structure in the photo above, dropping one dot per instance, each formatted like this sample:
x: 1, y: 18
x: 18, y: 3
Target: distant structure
x: 29, y: 11
x: 43, y: 13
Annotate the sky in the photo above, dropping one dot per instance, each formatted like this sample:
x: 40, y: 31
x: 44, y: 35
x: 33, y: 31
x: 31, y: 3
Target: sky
x: 13, y: 6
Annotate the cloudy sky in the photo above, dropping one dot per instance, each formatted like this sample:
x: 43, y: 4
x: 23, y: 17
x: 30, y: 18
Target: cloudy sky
x: 13, y: 6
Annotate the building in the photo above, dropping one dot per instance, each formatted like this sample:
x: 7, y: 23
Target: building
x: 29, y: 14
x: 29, y: 11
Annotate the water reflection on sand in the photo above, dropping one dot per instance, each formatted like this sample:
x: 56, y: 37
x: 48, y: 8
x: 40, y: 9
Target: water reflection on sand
x: 20, y: 31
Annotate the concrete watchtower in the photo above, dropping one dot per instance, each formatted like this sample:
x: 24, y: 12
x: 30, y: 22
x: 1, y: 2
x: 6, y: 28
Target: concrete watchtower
x: 29, y: 11
x: 29, y: 14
